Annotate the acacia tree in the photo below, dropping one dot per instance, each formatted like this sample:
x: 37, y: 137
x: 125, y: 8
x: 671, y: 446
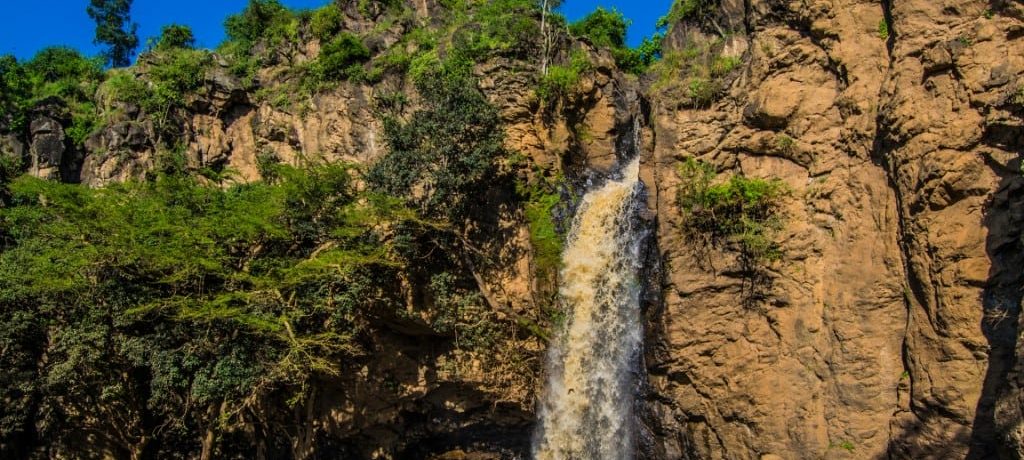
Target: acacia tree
x: 115, y: 30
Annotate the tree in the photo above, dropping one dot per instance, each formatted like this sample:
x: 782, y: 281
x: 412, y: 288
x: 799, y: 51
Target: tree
x: 13, y: 93
x: 114, y: 29
x: 603, y: 28
x: 176, y: 36
x: 444, y: 155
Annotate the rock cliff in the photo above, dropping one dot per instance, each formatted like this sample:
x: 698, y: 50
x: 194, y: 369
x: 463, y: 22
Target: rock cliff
x: 887, y: 329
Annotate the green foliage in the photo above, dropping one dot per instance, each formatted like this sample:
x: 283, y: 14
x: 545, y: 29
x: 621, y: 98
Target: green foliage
x: 1019, y: 96
x: 563, y: 79
x: 784, y: 143
x: 459, y: 310
x: 722, y: 65
x: 175, y: 36
x: 170, y: 76
x: 326, y: 22
x: 740, y: 210
x: 603, y: 28
x: 845, y: 445
x: 261, y: 19
x: 56, y: 73
x: 115, y: 30
x: 683, y: 10
x: 883, y: 29
x: 541, y: 200
x: 10, y: 167
x: 701, y: 91
x: 340, y: 58
x: 638, y: 60
x: 505, y: 27
x: 15, y: 90
x: 607, y: 28
x: 699, y: 72
x: 169, y: 298
x: 445, y: 153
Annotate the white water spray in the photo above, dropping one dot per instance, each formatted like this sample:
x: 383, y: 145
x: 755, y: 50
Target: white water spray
x: 587, y: 410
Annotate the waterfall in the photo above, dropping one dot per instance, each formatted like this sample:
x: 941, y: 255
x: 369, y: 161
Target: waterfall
x: 587, y: 410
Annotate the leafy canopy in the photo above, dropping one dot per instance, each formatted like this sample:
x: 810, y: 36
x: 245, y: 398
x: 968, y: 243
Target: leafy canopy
x: 168, y: 298
x: 175, y: 36
x: 607, y: 29
x: 446, y: 152
x: 115, y: 30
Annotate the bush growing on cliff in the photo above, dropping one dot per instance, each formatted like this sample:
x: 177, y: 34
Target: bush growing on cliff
x: 340, y: 58
x: 175, y: 36
x: 607, y: 29
x: 508, y: 27
x: 446, y: 152
x: 540, y: 203
x: 682, y: 10
x: 563, y: 79
x: 326, y: 22
x: 638, y: 60
x: 603, y: 28
x: 14, y: 91
x: 262, y: 21
x: 697, y: 74
x: 57, y: 74
x: 740, y: 211
x: 170, y: 76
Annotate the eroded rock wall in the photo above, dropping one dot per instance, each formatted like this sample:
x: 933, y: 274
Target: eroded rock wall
x: 887, y: 327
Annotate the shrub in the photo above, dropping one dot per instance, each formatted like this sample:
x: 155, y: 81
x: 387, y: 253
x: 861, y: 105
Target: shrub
x: 508, y: 27
x: 638, y: 60
x: 682, y: 10
x: 541, y: 200
x: 446, y: 153
x: 15, y: 91
x: 266, y: 21
x: 722, y: 65
x: 701, y: 91
x: 66, y: 74
x: 261, y: 19
x: 339, y: 57
x: 561, y: 80
x: 741, y: 210
x: 170, y: 299
x: 698, y: 72
x: 175, y: 36
x: 883, y: 29
x: 785, y: 143
x: 603, y: 28
x: 326, y: 22
x: 607, y: 28
x: 170, y: 76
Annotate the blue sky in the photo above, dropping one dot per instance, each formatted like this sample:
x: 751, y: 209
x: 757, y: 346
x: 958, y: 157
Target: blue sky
x: 32, y: 25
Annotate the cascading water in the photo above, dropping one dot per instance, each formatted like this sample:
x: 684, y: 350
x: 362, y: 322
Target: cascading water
x: 587, y: 410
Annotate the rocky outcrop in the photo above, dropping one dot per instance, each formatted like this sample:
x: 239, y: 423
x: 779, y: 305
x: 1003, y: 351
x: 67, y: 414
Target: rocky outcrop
x: 887, y: 328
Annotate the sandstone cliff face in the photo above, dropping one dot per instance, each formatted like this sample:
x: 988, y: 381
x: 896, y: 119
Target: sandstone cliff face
x: 889, y: 327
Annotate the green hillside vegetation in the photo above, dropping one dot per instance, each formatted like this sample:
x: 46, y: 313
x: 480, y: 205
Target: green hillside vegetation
x: 170, y: 313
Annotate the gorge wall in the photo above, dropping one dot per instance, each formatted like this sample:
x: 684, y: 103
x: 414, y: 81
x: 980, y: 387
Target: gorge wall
x: 889, y: 326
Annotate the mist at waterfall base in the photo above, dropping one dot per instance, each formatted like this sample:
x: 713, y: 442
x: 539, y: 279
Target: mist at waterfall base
x: 587, y: 409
